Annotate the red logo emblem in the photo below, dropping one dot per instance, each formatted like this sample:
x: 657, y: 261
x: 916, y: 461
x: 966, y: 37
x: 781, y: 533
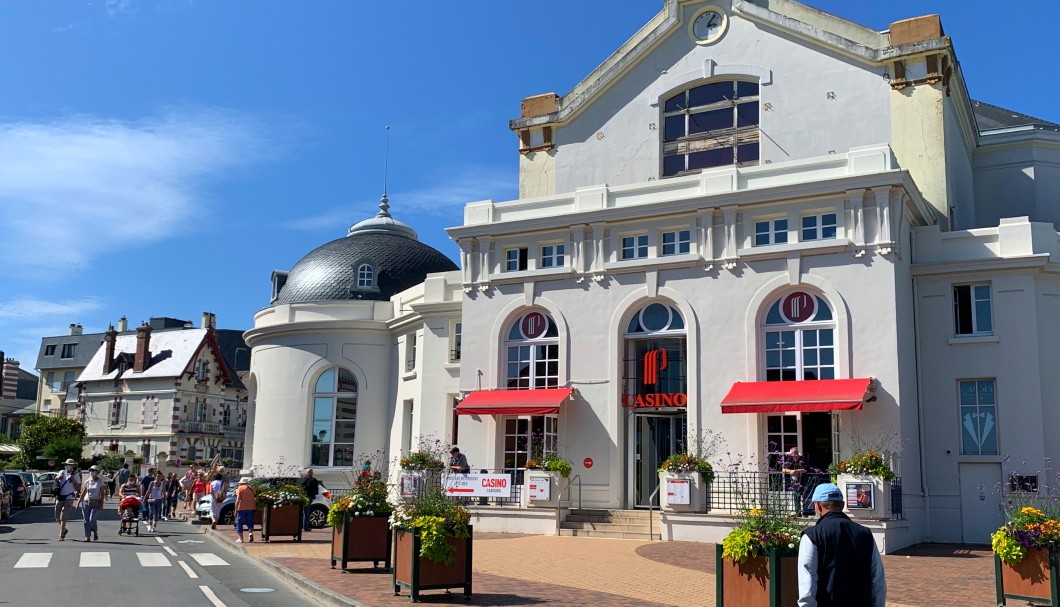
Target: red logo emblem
x: 534, y: 325
x: 798, y: 307
x: 654, y: 361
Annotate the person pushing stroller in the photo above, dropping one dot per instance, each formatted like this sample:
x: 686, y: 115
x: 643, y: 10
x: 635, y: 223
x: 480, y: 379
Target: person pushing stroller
x: 129, y: 507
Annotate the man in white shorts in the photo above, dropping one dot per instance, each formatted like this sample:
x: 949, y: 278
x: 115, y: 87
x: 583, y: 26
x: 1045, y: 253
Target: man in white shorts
x: 67, y: 488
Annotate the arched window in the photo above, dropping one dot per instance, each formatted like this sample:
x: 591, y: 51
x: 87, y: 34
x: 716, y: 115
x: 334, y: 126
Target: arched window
x: 711, y: 125
x: 799, y: 338
x: 334, y: 418
x: 365, y: 277
x: 655, y: 357
x: 533, y: 352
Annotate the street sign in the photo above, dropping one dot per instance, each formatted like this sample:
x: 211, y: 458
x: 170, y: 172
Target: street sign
x: 587, y: 462
x: 477, y: 485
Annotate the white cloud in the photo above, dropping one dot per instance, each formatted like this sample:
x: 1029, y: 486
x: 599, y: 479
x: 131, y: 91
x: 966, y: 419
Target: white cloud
x: 23, y: 321
x: 444, y: 198
x: 28, y: 308
x: 74, y: 188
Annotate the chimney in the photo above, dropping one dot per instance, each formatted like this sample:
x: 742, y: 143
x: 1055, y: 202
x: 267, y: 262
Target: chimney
x: 123, y: 325
x: 10, y: 379
x: 143, y: 348
x: 209, y: 320
x: 75, y: 329
x: 110, y: 338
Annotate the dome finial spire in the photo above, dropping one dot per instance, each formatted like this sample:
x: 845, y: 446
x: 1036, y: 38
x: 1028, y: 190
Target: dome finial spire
x: 384, y: 202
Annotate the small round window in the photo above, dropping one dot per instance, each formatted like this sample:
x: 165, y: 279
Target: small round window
x: 656, y: 318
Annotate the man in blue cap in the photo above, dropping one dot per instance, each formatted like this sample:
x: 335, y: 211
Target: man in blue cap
x: 839, y: 565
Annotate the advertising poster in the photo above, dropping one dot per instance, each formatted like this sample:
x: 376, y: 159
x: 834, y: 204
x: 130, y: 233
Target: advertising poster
x: 859, y: 496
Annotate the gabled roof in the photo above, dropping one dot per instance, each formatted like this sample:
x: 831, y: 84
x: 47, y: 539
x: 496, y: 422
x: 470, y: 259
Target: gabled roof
x: 990, y: 117
x: 171, y: 353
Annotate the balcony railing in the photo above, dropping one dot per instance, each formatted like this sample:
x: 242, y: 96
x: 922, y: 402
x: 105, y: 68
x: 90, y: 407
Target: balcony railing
x: 200, y: 427
x: 235, y: 432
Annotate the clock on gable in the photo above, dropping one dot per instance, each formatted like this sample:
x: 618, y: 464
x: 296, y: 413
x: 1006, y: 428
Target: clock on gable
x: 708, y: 25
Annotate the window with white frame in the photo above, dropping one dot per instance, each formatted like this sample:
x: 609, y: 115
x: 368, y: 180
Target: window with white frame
x: 972, y: 310
x: 334, y: 418
x: 202, y: 370
x: 365, y: 276
x: 528, y: 437
x: 710, y: 125
x: 634, y: 246
x: 677, y: 242
x: 532, y: 348
x: 978, y: 416
x: 410, y: 352
x: 798, y: 336
x: 782, y: 433
x: 771, y: 231
x: 115, y: 412
x: 818, y: 227
x: 454, y: 342
x: 226, y: 416
x: 553, y: 256
x: 200, y: 410
x: 515, y: 260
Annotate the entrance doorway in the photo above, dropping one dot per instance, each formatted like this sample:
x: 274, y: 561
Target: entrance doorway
x: 817, y: 440
x: 981, y: 512
x: 657, y: 437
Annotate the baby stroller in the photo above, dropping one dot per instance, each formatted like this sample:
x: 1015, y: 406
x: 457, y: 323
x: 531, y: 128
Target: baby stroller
x: 130, y: 516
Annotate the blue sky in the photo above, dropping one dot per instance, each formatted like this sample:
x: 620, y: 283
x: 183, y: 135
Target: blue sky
x: 162, y: 158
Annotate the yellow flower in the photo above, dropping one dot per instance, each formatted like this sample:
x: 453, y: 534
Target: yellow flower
x: 1030, y: 510
x: 756, y: 512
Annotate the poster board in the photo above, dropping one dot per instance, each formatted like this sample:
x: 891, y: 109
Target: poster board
x: 860, y: 496
x: 409, y: 485
x: 478, y: 485
x: 678, y: 491
x: 539, y: 487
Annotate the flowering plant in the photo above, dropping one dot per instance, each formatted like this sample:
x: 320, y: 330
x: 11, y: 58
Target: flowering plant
x: 287, y: 495
x: 1027, y: 528
x: 367, y: 498
x: 759, y: 532
x: 686, y: 462
x: 869, y: 454
x: 436, y: 518
x: 421, y: 460
x: 869, y: 463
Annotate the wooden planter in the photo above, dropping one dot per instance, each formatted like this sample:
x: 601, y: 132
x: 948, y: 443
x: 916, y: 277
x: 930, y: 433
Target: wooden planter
x: 360, y: 539
x: 1035, y: 578
x: 417, y: 573
x: 763, y: 581
x: 282, y: 520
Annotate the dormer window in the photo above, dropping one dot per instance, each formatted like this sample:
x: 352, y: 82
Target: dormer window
x: 365, y: 277
x: 711, y: 125
x: 202, y: 371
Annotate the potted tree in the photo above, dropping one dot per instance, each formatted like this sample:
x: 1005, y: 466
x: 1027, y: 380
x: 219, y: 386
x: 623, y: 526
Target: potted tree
x: 282, y: 510
x: 685, y: 481
x: 360, y: 524
x: 757, y: 562
x: 1025, y: 556
x: 432, y: 544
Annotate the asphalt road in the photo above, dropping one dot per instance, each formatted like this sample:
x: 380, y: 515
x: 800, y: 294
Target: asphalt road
x: 177, y: 566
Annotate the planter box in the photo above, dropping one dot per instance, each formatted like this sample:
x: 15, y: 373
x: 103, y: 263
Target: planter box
x: 763, y: 581
x: 282, y: 520
x: 416, y: 573
x: 1035, y: 578
x: 361, y: 539
x: 861, y: 490
x: 541, y: 489
x: 680, y: 487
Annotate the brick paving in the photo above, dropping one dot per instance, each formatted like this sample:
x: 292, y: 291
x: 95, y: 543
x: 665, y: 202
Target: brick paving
x: 579, y: 571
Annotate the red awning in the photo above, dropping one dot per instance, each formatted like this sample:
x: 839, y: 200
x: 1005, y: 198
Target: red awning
x: 513, y: 402
x: 809, y: 395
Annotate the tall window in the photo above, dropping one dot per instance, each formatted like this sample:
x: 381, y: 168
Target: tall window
x: 972, y: 313
x: 528, y: 437
x: 978, y: 417
x: 200, y: 411
x: 202, y: 371
x: 711, y: 125
x: 410, y: 352
x: 334, y: 418
x: 69, y: 350
x: 798, y: 335
x: 115, y: 412
x: 454, y: 343
x: 365, y: 277
x: 533, y: 352
x: 655, y: 356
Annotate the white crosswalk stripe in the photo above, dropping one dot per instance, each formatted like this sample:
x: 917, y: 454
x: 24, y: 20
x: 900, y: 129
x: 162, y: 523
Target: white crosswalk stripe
x: 153, y: 559
x: 93, y: 559
x: 34, y: 560
x: 207, y: 559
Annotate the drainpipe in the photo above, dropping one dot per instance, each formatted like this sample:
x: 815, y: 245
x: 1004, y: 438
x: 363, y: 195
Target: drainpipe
x: 919, y: 393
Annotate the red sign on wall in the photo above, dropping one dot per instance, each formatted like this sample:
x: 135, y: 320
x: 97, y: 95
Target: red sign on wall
x: 587, y: 462
x: 654, y: 361
x: 637, y: 401
x: 798, y: 307
x: 534, y: 325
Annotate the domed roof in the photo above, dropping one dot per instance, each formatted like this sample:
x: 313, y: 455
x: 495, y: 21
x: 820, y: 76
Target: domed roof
x: 378, y: 258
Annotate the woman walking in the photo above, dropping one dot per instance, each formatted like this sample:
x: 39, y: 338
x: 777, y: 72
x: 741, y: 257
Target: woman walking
x: 186, y: 483
x: 198, y: 489
x: 156, y: 493
x: 245, y: 508
x: 91, y: 502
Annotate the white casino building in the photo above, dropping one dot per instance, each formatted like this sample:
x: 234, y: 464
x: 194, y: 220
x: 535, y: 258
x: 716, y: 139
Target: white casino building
x: 755, y: 218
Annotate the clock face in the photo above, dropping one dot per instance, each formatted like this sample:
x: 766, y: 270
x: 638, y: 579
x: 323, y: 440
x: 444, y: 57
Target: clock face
x: 708, y: 26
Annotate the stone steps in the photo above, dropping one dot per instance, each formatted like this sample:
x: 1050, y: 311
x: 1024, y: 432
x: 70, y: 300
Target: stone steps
x: 620, y: 524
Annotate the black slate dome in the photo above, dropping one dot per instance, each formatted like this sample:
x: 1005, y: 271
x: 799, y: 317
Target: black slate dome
x: 398, y: 260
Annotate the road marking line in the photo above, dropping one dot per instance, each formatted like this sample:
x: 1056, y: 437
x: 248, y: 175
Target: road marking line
x: 153, y: 559
x: 207, y: 559
x: 95, y: 559
x: 159, y: 540
x: 211, y: 596
x: 188, y: 570
x: 34, y: 560
x: 170, y: 550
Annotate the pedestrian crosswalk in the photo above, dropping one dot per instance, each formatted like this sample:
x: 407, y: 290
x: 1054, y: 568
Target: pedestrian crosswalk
x: 99, y: 559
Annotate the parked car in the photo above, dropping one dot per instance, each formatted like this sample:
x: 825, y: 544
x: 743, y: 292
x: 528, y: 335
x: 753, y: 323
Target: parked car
x: 7, y: 499
x: 36, y: 492
x: 19, y: 490
x: 47, y: 482
x: 318, y: 510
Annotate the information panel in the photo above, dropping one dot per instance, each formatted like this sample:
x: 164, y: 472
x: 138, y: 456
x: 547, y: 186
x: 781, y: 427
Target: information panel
x: 677, y: 491
x: 540, y: 488
x: 410, y: 485
x: 477, y: 485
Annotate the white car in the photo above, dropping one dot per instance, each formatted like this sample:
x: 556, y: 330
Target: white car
x: 36, y: 489
x: 318, y: 510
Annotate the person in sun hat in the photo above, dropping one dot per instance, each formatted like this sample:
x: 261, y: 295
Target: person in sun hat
x: 839, y: 564
x: 245, y: 508
x: 67, y: 488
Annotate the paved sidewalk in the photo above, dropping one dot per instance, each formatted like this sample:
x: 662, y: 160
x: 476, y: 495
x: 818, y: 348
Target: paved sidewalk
x: 578, y: 571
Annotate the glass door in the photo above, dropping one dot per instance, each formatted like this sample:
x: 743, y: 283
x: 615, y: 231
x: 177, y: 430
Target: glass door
x: 657, y: 438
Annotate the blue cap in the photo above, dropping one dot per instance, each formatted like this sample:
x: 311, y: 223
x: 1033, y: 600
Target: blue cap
x: 827, y: 492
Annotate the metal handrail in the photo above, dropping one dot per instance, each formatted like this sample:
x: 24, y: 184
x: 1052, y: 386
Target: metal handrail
x: 651, y: 510
x: 566, y: 489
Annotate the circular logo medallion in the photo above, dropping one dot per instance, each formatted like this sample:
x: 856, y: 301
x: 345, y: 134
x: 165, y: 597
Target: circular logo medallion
x: 798, y: 307
x: 534, y: 325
